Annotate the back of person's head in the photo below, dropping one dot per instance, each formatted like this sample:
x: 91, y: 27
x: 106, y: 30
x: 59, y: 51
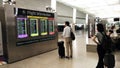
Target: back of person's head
x: 118, y: 30
x: 111, y: 31
x: 67, y: 23
x: 113, y: 27
x: 100, y: 27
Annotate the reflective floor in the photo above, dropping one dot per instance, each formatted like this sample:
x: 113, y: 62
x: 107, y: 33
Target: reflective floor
x: 81, y: 58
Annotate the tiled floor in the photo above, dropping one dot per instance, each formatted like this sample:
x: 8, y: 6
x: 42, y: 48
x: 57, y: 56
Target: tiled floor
x: 81, y: 58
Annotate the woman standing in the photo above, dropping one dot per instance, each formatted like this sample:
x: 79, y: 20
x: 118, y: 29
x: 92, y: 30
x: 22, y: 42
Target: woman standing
x: 100, y: 49
x: 68, y: 41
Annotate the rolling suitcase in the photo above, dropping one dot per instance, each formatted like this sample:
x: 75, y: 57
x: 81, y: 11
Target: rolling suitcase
x: 61, y: 49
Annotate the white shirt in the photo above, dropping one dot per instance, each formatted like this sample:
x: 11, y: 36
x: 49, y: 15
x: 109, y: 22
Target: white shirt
x: 66, y: 31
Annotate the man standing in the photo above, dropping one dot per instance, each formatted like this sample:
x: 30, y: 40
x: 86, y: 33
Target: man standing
x: 68, y: 42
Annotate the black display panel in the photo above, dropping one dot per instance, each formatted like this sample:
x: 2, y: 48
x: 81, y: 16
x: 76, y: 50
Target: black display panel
x: 26, y: 12
x: 116, y: 19
x: 43, y: 27
x: 34, y: 27
x: 21, y: 28
x: 51, y: 26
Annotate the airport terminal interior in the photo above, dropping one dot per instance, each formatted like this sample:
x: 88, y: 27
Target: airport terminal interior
x: 31, y: 29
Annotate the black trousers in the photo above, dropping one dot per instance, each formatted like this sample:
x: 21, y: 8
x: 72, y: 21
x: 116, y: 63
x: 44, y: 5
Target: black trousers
x: 101, y: 54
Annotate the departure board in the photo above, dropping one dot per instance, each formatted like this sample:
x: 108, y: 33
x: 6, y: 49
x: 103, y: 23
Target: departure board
x: 34, y: 27
x: 21, y: 28
x: 43, y: 23
x: 51, y: 26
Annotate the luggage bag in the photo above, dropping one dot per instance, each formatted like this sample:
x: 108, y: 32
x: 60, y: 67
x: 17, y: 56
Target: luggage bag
x: 61, y: 49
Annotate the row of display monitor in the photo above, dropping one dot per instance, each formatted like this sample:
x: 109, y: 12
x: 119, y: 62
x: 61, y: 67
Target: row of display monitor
x: 37, y: 26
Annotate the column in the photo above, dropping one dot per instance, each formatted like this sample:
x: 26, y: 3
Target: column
x: 53, y: 5
x: 74, y: 19
x: 86, y: 21
x: 86, y: 27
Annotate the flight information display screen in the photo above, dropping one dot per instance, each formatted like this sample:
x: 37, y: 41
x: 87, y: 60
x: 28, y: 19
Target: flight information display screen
x: 51, y: 27
x: 21, y: 28
x: 43, y: 28
x: 34, y: 27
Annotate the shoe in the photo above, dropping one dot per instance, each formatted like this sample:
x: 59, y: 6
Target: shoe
x: 70, y: 56
x: 61, y: 56
x: 67, y: 57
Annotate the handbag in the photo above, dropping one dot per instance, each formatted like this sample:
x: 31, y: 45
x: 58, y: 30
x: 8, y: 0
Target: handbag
x: 109, y: 60
x: 72, y: 35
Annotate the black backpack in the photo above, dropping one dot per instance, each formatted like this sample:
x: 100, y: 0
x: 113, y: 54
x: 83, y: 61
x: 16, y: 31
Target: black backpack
x: 106, y: 43
x: 72, y: 35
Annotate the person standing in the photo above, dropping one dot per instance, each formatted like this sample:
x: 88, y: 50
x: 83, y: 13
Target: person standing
x: 100, y: 49
x: 68, y: 41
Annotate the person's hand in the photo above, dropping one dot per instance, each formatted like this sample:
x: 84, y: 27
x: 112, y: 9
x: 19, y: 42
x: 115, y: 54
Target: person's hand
x: 98, y: 43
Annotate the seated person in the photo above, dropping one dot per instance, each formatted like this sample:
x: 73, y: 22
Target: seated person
x: 118, y: 31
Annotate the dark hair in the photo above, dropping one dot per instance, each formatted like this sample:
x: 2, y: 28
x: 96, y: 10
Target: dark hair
x: 111, y: 31
x: 100, y: 27
x: 113, y: 27
x: 67, y: 23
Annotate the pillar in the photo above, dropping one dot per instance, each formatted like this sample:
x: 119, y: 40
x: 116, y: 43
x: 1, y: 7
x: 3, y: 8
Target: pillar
x: 86, y: 28
x: 86, y: 21
x: 74, y: 19
x: 53, y: 5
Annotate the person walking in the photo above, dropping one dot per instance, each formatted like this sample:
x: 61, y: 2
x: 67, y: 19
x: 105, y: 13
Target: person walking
x: 68, y: 41
x: 100, y: 50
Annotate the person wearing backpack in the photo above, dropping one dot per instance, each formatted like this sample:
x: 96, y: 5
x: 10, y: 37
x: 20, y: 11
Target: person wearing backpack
x: 68, y: 40
x: 97, y: 38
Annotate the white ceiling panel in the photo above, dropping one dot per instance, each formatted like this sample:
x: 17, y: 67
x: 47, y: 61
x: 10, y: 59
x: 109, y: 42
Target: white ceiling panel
x: 100, y: 8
